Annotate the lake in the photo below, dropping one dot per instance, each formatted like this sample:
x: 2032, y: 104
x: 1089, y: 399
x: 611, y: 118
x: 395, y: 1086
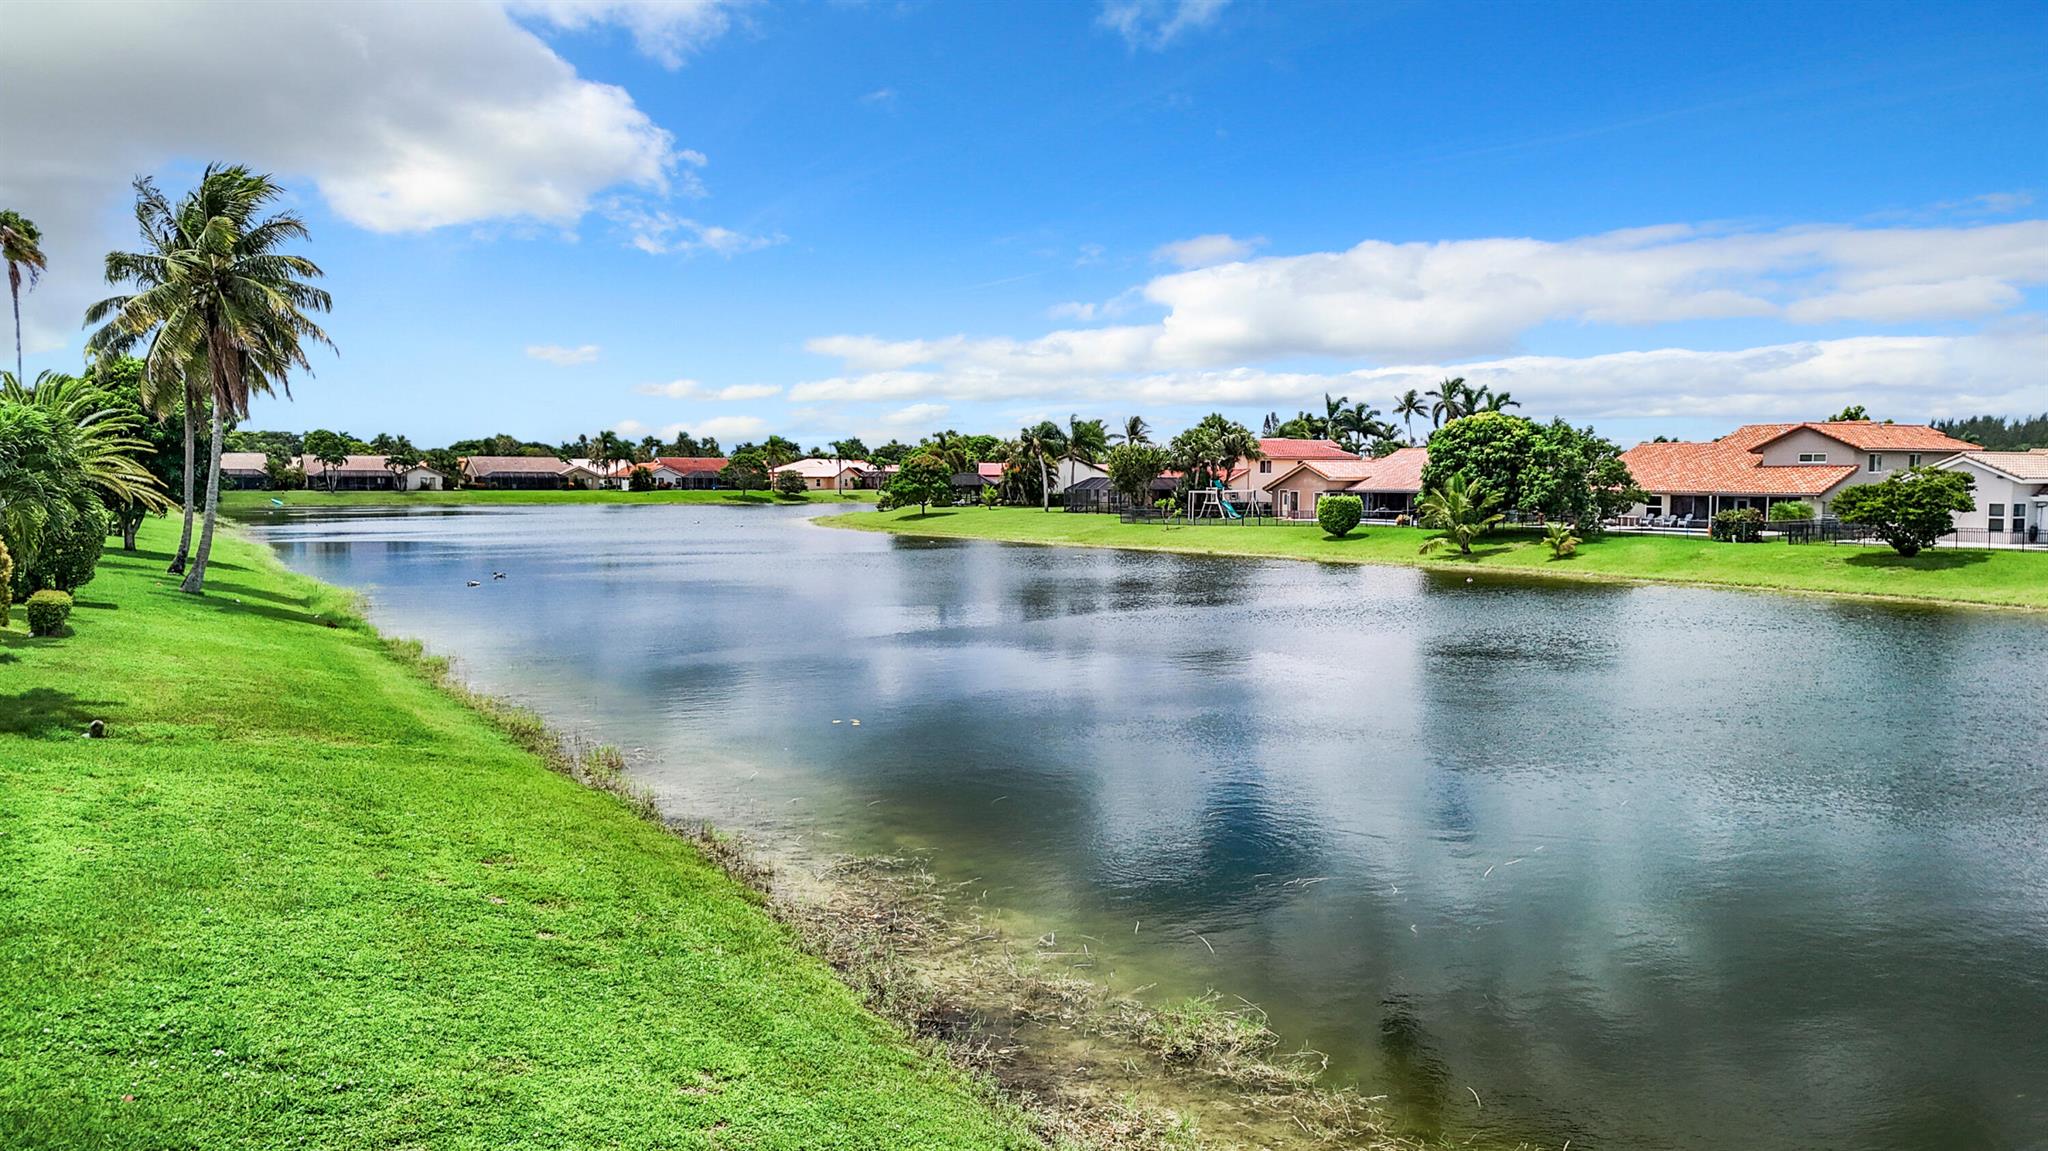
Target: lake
x: 1643, y: 867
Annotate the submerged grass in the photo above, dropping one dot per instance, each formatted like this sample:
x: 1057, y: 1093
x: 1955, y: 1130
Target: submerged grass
x: 1979, y: 576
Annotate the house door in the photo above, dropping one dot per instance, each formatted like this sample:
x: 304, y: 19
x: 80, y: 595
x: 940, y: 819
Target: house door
x: 1290, y: 504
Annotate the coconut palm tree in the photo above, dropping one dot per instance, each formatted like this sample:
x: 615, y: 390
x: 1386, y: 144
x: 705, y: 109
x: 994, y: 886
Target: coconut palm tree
x: 1460, y: 510
x: 1136, y: 431
x: 1408, y: 407
x: 1492, y: 401
x: 21, y: 250
x: 1451, y: 400
x: 1042, y: 443
x: 1087, y: 441
x: 1357, y: 425
x: 225, y: 294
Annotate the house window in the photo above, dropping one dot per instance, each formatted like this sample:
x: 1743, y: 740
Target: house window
x: 1265, y: 467
x: 1654, y: 506
x: 2019, y: 518
x: 1813, y: 457
x: 1876, y: 463
x: 1995, y: 518
x: 1913, y: 459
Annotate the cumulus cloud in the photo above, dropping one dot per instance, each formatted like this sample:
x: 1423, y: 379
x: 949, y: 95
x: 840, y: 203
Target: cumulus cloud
x: 668, y: 31
x: 691, y: 389
x: 560, y: 356
x: 1202, y: 251
x: 1156, y: 23
x: 402, y: 117
x: 659, y: 232
x: 915, y: 414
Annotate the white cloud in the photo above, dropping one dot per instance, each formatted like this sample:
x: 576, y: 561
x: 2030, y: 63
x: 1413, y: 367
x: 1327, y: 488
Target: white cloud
x: 880, y: 96
x: 562, y: 357
x: 402, y: 117
x: 1072, y: 310
x: 915, y: 414
x: 668, y: 31
x: 691, y: 389
x: 724, y: 427
x: 1202, y: 251
x: 659, y: 232
x: 1157, y: 23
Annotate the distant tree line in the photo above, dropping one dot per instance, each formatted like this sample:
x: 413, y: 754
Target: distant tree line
x: 1998, y: 434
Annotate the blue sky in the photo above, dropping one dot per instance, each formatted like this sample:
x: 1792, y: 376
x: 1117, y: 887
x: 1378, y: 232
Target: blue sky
x: 824, y: 219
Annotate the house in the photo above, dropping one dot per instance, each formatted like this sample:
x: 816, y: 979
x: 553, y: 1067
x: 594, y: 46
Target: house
x: 368, y: 473
x: 611, y: 474
x: 1757, y: 465
x: 968, y: 485
x: 2011, y: 494
x: 1280, y: 455
x: 244, y: 470
x: 695, y: 472
x: 523, y: 473
x: 1066, y: 473
x: 828, y: 475
x: 1387, y: 486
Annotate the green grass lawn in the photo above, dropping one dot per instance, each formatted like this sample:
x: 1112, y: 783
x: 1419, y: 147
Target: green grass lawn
x: 1950, y: 575
x: 249, y: 500
x: 301, y: 898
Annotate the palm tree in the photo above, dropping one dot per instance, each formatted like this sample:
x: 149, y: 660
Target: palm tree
x: 1357, y: 425
x: 1452, y: 400
x: 1408, y: 407
x: 1460, y: 510
x: 1043, y: 442
x: 104, y: 439
x: 1136, y: 431
x: 1087, y: 442
x: 1492, y: 401
x: 21, y: 250
x: 225, y: 295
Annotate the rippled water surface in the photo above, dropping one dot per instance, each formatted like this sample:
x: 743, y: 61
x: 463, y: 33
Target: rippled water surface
x: 1641, y: 867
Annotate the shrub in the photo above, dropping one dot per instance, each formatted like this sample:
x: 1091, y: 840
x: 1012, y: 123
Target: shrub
x: 47, y: 610
x: 1738, y: 526
x: 1339, y: 514
x: 1791, y: 510
x: 991, y: 496
x: 789, y: 484
x: 1561, y: 540
x: 68, y: 554
x: 640, y: 480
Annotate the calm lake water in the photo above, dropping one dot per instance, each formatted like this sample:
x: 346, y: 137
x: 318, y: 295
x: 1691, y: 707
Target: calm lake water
x: 1643, y: 867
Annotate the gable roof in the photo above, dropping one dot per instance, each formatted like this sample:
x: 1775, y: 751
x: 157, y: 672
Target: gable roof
x: 353, y: 466
x: 1866, y: 436
x: 691, y: 465
x: 243, y: 461
x: 1282, y: 449
x: 514, y: 465
x: 1717, y: 468
x: 2027, y: 467
x: 1397, y: 471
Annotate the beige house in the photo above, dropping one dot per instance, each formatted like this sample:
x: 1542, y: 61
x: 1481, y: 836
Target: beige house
x: 828, y: 475
x: 1388, y: 485
x: 368, y: 473
x: 523, y: 473
x: 1757, y: 465
x: 2011, y: 493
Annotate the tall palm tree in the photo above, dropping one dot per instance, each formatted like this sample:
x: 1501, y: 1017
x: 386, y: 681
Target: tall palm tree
x: 1357, y: 425
x: 1135, y: 431
x: 225, y: 294
x: 21, y: 250
x: 1460, y: 510
x: 1408, y: 407
x: 1492, y: 401
x: 1087, y: 443
x: 1042, y: 442
x: 1451, y: 400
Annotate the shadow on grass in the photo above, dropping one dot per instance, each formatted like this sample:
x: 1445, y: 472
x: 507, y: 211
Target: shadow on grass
x: 927, y: 515
x: 42, y: 711
x: 221, y: 587
x: 1928, y: 561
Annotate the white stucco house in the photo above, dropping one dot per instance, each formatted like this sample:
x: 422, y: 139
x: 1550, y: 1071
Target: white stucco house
x: 2011, y: 495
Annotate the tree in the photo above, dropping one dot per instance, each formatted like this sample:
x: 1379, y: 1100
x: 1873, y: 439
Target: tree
x: 789, y: 484
x: 1460, y: 509
x: 891, y: 453
x: 1301, y: 427
x: 1339, y: 514
x: 777, y: 451
x: 1488, y: 400
x: 103, y: 438
x: 924, y: 479
x: 1911, y: 509
x: 1491, y: 449
x: 225, y: 295
x: 401, y: 457
x: 746, y: 470
x: 1135, y: 431
x: 1851, y: 414
x: 1560, y: 539
x: 1408, y: 407
x: 331, y: 449
x: 1133, y: 467
x: 1356, y: 425
x: 1040, y: 444
x: 1574, y: 475
x: 52, y: 469
x: 21, y: 250
x: 1209, y: 450
x: 122, y: 380
x: 1087, y: 440
x: 1450, y: 400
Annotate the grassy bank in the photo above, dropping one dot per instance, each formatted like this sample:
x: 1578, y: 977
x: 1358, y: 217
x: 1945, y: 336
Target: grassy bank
x: 252, y: 500
x: 1963, y: 575
x: 302, y: 898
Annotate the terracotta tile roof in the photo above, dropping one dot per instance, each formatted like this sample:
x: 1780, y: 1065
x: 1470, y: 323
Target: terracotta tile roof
x: 1304, y: 450
x: 1719, y: 468
x: 243, y: 461
x: 692, y: 465
x: 1865, y: 436
x: 527, y: 465
x: 1397, y: 471
x: 1749, y: 436
x: 2027, y: 466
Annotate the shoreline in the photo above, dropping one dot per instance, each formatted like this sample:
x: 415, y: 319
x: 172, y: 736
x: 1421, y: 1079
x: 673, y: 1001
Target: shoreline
x: 1542, y: 569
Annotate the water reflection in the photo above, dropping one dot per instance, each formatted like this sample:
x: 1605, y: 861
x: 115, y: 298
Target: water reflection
x: 1644, y: 867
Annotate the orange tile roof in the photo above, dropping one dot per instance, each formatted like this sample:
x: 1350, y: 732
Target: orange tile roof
x: 1721, y: 469
x: 2028, y: 466
x: 1304, y: 450
x: 1397, y: 471
x: 688, y: 465
x: 1865, y: 436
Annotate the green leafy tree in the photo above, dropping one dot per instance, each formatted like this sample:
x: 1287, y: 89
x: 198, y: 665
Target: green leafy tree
x: 1490, y: 449
x: 924, y: 479
x: 1449, y: 401
x: 1850, y: 414
x: 1356, y: 425
x: 107, y: 430
x: 1461, y: 509
x: 1209, y: 450
x: 789, y: 484
x: 1339, y: 514
x: 226, y: 295
x: 1909, y: 509
x: 331, y: 449
x: 890, y: 454
x: 1132, y: 467
x: 401, y: 457
x: 1087, y: 443
x: 1572, y: 474
x: 21, y: 250
x: 746, y: 470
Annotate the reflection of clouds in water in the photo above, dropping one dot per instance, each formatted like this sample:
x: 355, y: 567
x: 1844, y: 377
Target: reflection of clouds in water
x: 1767, y: 849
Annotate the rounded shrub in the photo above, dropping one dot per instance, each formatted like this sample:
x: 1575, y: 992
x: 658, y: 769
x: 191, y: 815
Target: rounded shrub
x: 1738, y: 526
x: 46, y: 611
x: 69, y: 553
x: 789, y: 484
x: 1791, y: 510
x: 1339, y: 514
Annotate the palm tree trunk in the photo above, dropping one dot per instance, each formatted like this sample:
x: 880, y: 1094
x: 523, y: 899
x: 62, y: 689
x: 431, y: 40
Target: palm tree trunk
x: 1044, y: 484
x: 195, y: 580
x: 14, y: 289
x: 185, y: 537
